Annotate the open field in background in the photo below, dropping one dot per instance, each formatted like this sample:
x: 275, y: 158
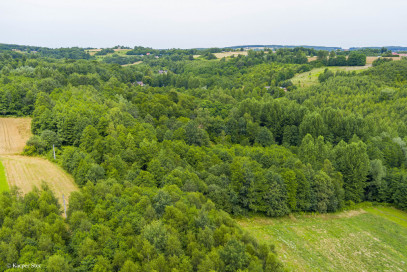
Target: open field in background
x: 26, y: 172
x: 309, y: 78
x: 117, y: 51
x: 121, y: 50
x: 226, y: 54
x: 93, y: 51
x: 368, y: 239
x: 229, y: 54
x: 369, y: 60
x: 135, y: 63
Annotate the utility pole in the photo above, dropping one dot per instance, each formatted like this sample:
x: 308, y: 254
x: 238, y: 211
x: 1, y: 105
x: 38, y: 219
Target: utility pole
x: 53, y: 148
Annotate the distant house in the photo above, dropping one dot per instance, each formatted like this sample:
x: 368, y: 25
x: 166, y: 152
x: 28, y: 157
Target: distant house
x: 148, y: 54
x: 161, y: 72
x: 267, y: 87
x: 140, y: 83
x: 157, y: 57
x: 284, y: 89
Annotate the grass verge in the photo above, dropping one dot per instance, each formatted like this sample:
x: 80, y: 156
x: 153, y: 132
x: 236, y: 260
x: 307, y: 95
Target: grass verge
x: 3, y: 180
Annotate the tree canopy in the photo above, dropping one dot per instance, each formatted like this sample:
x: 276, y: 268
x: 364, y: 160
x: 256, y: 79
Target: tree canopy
x: 163, y: 165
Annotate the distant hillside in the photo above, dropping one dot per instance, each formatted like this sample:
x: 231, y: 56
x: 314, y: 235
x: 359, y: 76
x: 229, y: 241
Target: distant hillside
x: 80, y: 53
x: 6, y: 47
x: 317, y: 47
x: 391, y: 48
x: 58, y: 53
x: 286, y: 46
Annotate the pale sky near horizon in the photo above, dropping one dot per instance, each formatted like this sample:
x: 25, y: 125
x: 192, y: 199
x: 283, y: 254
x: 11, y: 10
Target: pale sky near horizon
x: 209, y: 23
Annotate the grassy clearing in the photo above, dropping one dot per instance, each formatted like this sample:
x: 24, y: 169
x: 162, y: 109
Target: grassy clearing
x: 3, y: 180
x: 391, y: 214
x: 307, y: 79
x: 135, y: 63
x: 368, y: 239
x: 92, y: 52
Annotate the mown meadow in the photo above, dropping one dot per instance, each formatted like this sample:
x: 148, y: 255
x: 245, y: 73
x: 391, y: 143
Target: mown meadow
x: 365, y: 239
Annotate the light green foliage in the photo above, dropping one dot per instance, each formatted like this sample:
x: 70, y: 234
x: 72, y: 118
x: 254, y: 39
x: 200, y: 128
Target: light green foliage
x: 57, y: 263
x: 353, y: 162
x: 265, y: 137
x: 3, y: 180
x: 291, y: 185
x: 356, y: 59
x: 313, y: 124
x: 273, y: 195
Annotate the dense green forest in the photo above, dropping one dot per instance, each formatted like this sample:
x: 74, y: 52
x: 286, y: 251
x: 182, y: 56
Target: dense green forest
x: 162, y: 167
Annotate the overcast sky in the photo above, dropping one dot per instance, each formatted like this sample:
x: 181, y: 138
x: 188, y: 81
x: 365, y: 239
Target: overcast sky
x: 208, y: 23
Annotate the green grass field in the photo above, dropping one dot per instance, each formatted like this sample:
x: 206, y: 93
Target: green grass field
x: 368, y: 239
x: 3, y: 180
x: 310, y: 78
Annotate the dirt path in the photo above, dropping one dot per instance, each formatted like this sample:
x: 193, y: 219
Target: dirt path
x: 26, y: 172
